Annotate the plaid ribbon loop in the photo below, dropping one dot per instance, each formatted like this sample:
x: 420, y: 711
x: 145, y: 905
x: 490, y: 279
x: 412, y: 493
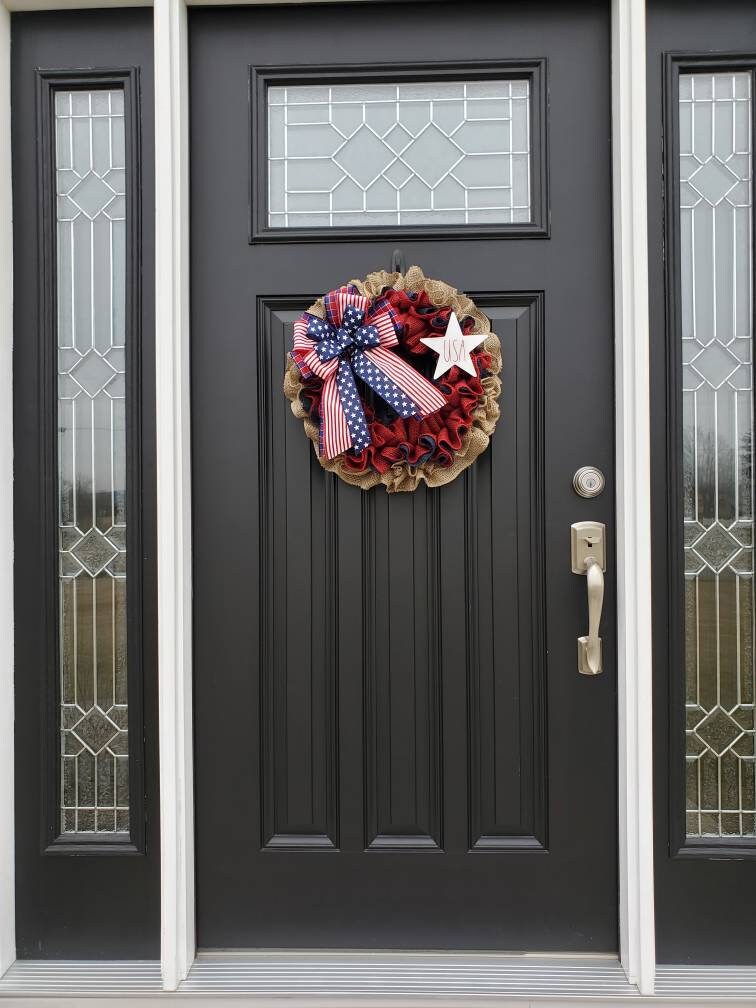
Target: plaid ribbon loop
x: 339, y: 347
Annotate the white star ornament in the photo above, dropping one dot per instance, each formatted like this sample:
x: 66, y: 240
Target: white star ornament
x: 453, y: 348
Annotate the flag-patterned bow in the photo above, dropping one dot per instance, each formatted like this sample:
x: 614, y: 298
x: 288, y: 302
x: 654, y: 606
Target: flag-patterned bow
x: 339, y: 347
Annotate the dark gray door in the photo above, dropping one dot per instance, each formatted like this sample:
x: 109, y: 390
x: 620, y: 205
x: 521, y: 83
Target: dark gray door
x: 394, y: 748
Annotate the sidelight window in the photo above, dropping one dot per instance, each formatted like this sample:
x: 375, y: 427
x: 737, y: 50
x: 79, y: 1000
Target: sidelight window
x: 715, y: 329
x: 91, y: 496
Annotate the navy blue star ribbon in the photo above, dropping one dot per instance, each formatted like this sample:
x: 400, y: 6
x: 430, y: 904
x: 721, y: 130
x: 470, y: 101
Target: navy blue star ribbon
x: 347, y: 343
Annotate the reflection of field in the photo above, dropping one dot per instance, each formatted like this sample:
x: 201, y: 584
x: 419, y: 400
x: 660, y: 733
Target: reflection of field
x: 719, y: 614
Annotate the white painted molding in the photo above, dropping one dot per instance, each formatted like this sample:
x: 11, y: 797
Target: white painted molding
x: 636, y: 870
x: 174, y: 491
x: 7, y: 839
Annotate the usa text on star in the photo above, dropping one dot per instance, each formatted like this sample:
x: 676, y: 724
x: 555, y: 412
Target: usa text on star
x: 453, y: 348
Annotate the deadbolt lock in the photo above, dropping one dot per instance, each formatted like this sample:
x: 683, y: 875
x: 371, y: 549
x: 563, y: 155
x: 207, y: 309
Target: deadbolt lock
x: 588, y: 481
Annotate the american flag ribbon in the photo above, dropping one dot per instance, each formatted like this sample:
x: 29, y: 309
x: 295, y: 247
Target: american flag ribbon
x: 356, y: 338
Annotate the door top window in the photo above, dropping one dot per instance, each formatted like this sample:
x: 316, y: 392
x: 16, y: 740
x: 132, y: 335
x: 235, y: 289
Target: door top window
x: 381, y: 153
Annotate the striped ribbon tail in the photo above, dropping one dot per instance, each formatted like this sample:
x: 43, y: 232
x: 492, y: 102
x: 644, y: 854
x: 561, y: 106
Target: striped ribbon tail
x: 380, y: 382
x: 343, y: 424
x: 426, y: 396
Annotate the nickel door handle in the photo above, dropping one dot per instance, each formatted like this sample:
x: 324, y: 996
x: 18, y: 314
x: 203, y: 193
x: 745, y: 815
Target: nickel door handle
x: 588, y: 558
x: 589, y: 648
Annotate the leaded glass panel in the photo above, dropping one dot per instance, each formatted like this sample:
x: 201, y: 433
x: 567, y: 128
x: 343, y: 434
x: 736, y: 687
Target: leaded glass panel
x: 91, y: 338
x: 717, y: 336
x: 399, y: 154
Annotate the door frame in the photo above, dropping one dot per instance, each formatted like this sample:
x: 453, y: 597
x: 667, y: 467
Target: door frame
x: 636, y: 897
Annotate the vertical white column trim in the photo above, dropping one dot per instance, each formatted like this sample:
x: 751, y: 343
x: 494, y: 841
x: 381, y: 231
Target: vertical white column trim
x: 7, y: 841
x: 174, y: 491
x: 637, y: 940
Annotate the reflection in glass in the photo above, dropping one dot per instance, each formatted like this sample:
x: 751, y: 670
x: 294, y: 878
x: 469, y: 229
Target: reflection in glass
x: 716, y: 310
x: 393, y: 154
x: 91, y: 332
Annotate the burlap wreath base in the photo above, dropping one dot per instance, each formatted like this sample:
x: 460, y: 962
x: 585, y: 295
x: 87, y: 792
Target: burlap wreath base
x: 402, y: 476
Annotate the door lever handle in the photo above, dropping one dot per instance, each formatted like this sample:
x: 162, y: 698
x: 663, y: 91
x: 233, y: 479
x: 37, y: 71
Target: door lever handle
x: 589, y: 648
x: 588, y: 558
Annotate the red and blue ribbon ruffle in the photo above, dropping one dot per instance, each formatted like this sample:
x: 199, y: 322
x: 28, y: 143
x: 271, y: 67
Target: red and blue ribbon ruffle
x: 356, y: 338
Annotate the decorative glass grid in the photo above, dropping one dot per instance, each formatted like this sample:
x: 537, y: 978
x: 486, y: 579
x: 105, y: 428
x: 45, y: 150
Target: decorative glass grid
x: 91, y: 333
x: 717, y: 330
x: 393, y: 154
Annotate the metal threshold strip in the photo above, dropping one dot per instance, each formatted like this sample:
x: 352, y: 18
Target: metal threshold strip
x: 407, y: 975
x: 71, y: 977
x: 707, y: 982
x: 382, y: 978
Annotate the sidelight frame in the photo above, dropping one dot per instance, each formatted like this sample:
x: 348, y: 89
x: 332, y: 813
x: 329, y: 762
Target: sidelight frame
x: 674, y: 64
x: 178, y: 946
x: 49, y: 82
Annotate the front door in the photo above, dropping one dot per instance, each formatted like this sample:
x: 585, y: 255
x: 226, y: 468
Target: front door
x: 394, y: 746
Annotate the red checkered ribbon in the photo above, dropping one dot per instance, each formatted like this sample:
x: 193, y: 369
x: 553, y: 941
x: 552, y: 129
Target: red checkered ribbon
x: 356, y: 338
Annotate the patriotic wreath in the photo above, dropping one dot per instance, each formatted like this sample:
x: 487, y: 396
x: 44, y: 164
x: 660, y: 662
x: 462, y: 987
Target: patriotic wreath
x: 360, y: 376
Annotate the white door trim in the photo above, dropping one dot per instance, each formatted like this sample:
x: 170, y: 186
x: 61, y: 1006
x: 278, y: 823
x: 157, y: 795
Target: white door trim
x: 174, y: 486
x: 630, y: 212
x: 174, y: 530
